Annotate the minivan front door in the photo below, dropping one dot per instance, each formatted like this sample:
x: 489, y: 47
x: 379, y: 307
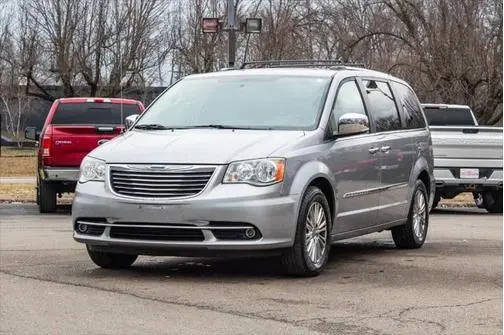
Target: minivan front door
x: 357, y: 181
x: 354, y: 162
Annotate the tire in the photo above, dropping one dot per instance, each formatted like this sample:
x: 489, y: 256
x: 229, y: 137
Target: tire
x: 46, y: 197
x: 412, y: 234
x: 108, y: 260
x: 437, y: 199
x: 478, y: 199
x: 493, y: 201
x: 307, y: 257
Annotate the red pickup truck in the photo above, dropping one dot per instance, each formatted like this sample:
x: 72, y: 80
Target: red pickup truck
x: 73, y: 128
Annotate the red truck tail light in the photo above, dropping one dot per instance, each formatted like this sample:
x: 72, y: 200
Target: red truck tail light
x: 46, y: 146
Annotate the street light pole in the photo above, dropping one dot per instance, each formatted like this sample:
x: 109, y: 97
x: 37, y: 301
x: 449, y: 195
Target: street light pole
x: 213, y: 25
x: 231, y: 26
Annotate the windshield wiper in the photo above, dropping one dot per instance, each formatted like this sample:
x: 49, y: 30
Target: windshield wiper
x: 152, y: 126
x: 221, y: 126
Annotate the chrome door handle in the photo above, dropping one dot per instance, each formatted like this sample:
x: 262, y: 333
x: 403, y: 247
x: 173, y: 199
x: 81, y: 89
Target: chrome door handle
x: 372, y: 151
x: 385, y: 148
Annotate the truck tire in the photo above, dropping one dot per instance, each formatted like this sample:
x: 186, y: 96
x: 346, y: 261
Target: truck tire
x: 108, y: 260
x: 46, y: 197
x: 412, y: 234
x: 478, y: 199
x: 493, y: 201
x: 310, y: 252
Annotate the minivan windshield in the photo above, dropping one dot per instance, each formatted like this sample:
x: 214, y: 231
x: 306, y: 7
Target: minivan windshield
x: 252, y: 102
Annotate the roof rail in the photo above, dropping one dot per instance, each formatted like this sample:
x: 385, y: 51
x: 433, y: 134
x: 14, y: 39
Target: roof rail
x: 321, y: 63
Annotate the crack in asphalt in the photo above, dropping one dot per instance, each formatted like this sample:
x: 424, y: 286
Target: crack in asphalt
x: 316, y: 324
x: 256, y: 316
x: 400, y: 313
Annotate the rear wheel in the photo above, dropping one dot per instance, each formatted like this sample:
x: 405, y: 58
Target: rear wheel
x: 493, y: 201
x: 108, y: 260
x: 310, y: 252
x: 412, y: 234
x: 46, y: 197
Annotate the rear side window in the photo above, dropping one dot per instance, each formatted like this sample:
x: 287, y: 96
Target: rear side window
x: 449, y: 116
x: 382, y: 105
x: 413, y: 116
x: 93, y: 113
x: 348, y: 100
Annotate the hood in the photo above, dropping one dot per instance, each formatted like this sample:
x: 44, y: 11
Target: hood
x: 193, y: 146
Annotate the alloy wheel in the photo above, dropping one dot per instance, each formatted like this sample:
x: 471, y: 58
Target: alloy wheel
x: 419, y: 215
x: 316, y: 234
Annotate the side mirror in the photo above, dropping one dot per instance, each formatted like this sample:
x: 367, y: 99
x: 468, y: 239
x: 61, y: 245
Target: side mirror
x: 31, y: 133
x: 352, y: 124
x: 130, y: 120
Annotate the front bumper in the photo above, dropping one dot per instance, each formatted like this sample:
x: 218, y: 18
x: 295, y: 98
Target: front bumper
x: 264, y: 208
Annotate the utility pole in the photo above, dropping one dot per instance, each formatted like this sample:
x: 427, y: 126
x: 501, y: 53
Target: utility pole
x: 231, y: 27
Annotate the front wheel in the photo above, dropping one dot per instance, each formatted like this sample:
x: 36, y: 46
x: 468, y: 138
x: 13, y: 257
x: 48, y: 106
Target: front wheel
x: 412, y: 234
x: 310, y: 252
x: 108, y: 260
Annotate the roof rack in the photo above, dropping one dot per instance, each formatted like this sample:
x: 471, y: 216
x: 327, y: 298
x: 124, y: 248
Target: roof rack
x: 321, y: 63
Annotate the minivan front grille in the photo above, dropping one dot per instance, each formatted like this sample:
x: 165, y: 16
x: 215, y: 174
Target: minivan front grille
x: 159, y: 181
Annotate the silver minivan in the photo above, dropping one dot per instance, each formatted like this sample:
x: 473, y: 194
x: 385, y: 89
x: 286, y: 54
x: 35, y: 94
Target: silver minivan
x: 268, y: 160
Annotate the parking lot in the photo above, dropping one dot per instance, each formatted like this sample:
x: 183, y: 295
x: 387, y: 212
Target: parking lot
x: 452, y: 286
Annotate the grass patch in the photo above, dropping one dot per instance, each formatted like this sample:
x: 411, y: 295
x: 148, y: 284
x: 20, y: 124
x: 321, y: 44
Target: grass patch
x: 15, y: 162
x: 463, y: 199
x: 17, y: 192
x: 18, y: 166
x: 27, y: 193
x: 17, y: 152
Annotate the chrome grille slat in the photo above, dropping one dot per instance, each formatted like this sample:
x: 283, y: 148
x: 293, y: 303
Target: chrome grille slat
x: 154, y: 195
x: 162, y: 175
x: 161, y: 184
x: 139, y: 182
x: 159, y: 189
x: 161, y: 180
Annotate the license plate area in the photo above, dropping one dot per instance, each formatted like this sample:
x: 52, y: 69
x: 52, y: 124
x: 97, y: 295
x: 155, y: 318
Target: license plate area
x: 469, y: 173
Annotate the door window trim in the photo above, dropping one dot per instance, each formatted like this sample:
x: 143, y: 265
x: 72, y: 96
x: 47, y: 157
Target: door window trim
x: 355, y: 79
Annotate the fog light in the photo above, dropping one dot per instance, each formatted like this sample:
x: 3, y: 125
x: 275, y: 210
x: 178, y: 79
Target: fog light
x: 250, y: 232
x: 82, y: 227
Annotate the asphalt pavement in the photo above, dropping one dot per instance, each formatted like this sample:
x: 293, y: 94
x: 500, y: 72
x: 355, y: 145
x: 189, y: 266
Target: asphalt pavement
x: 453, y: 285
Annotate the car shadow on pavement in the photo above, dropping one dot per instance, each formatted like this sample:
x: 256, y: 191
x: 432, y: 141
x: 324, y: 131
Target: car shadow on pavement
x: 232, y: 269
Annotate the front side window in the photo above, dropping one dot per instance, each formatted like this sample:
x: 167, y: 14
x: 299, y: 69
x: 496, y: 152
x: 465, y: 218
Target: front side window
x: 382, y: 105
x: 348, y: 100
x: 251, y: 102
x: 412, y: 111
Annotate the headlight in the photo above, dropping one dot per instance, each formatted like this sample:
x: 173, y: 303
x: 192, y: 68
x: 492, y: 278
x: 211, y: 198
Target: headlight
x: 92, y: 169
x: 258, y: 172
